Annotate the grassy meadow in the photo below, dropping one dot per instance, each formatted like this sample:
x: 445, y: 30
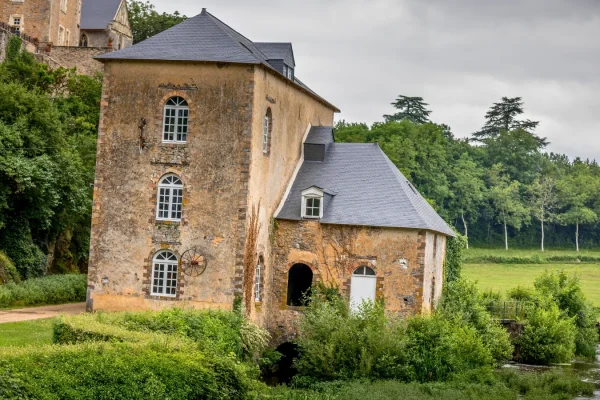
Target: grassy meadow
x: 500, y: 270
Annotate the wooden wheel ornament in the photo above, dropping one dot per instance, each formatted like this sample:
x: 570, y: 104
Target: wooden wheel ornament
x: 193, y: 263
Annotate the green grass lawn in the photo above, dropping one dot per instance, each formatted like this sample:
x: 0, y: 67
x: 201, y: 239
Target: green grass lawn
x: 501, y: 277
x: 27, y: 333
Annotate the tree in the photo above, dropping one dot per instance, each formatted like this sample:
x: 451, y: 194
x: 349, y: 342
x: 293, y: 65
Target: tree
x: 506, y: 199
x: 503, y: 116
x: 413, y: 109
x: 467, y: 189
x: 146, y: 21
x: 575, y: 191
x: 543, y: 201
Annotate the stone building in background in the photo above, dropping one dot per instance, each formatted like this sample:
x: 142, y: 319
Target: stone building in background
x: 218, y: 178
x: 104, y: 21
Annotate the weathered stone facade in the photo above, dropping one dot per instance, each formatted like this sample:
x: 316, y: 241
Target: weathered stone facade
x: 118, y: 32
x: 54, y: 21
x: 81, y: 58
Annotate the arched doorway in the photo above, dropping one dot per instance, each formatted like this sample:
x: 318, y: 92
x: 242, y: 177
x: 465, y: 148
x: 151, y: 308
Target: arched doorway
x: 363, y: 287
x: 300, y: 279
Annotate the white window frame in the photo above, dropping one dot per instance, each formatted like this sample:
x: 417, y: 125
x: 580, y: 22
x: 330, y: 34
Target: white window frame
x: 61, y: 35
x: 18, y: 27
x: 68, y: 37
x: 290, y: 73
x: 268, y: 121
x: 178, y: 121
x: 63, y: 6
x: 257, y: 281
x: 312, y: 194
x: 173, y: 200
x: 165, y: 273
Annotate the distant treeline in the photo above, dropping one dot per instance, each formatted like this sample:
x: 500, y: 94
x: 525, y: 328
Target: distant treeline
x: 498, y: 186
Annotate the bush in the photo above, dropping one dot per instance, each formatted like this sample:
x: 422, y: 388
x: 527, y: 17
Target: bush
x: 120, y: 371
x: 218, y: 332
x: 463, y: 305
x: 8, y: 272
x: 567, y: 294
x: 521, y: 293
x: 455, y: 252
x: 337, y: 344
x: 548, y: 337
x: 56, y: 289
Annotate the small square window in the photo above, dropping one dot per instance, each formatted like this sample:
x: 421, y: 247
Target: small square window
x: 313, y: 207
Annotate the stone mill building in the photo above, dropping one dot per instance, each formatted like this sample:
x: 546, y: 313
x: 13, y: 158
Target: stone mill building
x: 218, y: 177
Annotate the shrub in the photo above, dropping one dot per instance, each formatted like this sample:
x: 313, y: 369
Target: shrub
x: 8, y: 272
x: 566, y: 292
x: 56, y: 289
x: 120, y: 371
x: 548, y: 337
x: 214, y: 331
x: 463, y: 305
x: 521, y: 293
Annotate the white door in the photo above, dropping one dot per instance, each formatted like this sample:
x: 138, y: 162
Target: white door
x: 363, y: 287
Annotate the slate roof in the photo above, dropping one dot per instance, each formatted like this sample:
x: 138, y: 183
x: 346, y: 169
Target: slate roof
x: 202, y: 38
x: 369, y: 189
x: 97, y: 14
x: 278, y: 51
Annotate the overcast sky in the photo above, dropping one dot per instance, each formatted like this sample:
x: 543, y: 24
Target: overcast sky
x: 460, y: 55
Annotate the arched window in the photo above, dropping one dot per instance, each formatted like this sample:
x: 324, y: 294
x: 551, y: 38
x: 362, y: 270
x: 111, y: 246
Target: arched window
x: 300, y: 280
x: 175, y: 127
x: 258, y: 276
x: 84, y: 40
x: 363, y: 287
x: 164, y: 274
x: 170, y: 199
x: 267, y: 128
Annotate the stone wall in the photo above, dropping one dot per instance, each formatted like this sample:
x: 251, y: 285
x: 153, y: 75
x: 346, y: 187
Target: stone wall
x: 213, y: 165
x: 293, y: 112
x: 81, y: 58
x: 334, y: 252
x: 5, y: 38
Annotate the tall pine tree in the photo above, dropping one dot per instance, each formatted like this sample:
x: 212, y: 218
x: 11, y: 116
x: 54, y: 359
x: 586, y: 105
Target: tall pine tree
x: 503, y: 117
x: 413, y: 109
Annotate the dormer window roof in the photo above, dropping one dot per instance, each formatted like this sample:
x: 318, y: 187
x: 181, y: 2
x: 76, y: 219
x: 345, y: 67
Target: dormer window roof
x: 312, y: 203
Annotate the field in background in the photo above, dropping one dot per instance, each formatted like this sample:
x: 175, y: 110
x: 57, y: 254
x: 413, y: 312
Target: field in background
x: 35, y: 333
x: 500, y: 270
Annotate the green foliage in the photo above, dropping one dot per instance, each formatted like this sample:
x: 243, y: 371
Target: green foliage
x: 548, y: 337
x: 521, y: 293
x: 337, y: 344
x: 215, y: 331
x: 8, y: 272
x: 146, y: 22
x: 55, y: 289
x: 48, y: 125
x: 412, y: 109
x: 566, y: 292
x: 120, y: 371
x: 502, y: 117
x: 455, y: 251
x: 463, y: 305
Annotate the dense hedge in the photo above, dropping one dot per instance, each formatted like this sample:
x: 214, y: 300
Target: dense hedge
x: 55, y: 289
x: 120, y: 371
x: 533, y: 259
x: 8, y: 271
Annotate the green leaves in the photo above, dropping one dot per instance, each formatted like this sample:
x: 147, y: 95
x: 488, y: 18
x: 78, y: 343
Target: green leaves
x: 146, y: 22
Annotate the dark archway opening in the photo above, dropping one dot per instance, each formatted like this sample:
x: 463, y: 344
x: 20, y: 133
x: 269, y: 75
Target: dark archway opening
x: 283, y: 370
x: 300, y: 279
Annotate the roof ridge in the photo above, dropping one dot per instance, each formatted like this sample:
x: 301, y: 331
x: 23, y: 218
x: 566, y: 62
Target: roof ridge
x: 237, y: 41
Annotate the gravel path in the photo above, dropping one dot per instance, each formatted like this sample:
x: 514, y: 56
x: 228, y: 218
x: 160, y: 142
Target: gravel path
x: 29, y: 314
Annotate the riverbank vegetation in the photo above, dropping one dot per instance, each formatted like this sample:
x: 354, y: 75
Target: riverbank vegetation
x: 52, y: 289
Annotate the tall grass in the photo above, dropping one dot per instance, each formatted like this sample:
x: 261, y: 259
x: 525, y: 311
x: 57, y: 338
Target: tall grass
x: 55, y: 289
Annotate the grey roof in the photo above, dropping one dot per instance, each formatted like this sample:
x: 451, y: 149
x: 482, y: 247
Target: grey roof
x: 97, y: 14
x: 201, y: 38
x: 369, y: 190
x: 278, y: 51
x: 320, y: 135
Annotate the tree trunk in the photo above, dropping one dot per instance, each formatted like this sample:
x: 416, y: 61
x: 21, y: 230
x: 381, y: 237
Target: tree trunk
x: 542, y: 219
x: 462, y: 215
x: 577, y: 236
x: 505, y: 235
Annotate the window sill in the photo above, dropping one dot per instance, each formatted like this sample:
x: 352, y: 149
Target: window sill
x: 173, y: 144
x: 167, y: 222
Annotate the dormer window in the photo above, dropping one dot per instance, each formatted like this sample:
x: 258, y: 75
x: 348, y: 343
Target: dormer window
x: 312, y: 203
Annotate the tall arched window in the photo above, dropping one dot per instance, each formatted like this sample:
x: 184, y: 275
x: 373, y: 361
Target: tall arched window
x: 267, y: 127
x: 363, y: 287
x: 170, y: 199
x: 258, y: 276
x: 164, y: 274
x: 175, y: 127
x: 84, y: 40
x: 300, y: 280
